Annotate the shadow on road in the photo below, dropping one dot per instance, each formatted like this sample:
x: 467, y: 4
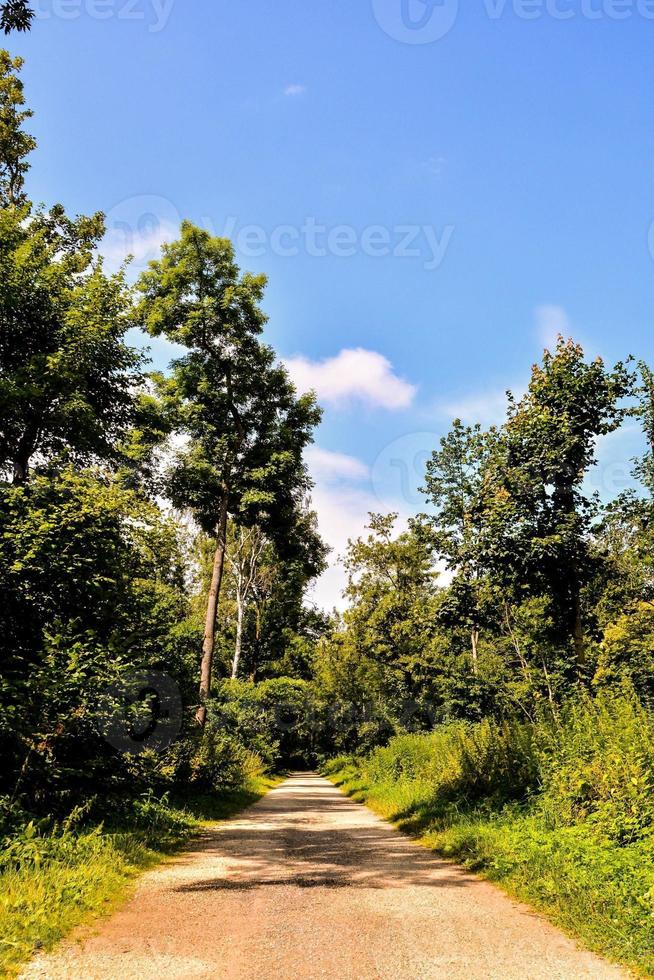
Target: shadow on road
x: 309, y: 835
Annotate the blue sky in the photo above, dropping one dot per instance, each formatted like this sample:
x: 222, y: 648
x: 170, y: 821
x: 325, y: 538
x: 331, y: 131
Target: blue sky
x: 443, y: 204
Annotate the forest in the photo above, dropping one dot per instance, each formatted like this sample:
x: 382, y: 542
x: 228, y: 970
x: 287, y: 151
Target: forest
x: 489, y: 685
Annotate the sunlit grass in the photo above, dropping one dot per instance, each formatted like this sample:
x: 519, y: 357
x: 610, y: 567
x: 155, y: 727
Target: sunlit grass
x: 51, y: 883
x: 578, y: 844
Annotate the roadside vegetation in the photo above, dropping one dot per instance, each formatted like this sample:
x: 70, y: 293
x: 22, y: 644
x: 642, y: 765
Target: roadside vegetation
x: 158, y: 641
x: 559, y: 812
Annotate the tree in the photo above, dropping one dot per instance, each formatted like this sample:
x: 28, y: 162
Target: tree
x: 92, y: 589
x: 15, y: 15
x: 644, y: 470
x: 454, y: 484
x: 249, y: 578
x: 244, y: 426
x: 538, y: 518
x: 67, y: 376
x: 15, y: 143
x: 390, y: 618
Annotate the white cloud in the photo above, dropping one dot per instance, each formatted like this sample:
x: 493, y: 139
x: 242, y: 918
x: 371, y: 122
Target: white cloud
x: 328, y: 466
x: 551, y: 321
x: 343, y: 498
x: 342, y: 510
x: 487, y: 408
x: 292, y: 90
x: 143, y: 245
x: 352, y: 375
x: 342, y: 514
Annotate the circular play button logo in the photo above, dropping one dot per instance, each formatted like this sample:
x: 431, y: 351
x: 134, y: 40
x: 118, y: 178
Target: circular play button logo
x: 416, y: 21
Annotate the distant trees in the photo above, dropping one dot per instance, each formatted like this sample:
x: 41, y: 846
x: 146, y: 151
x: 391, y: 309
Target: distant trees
x: 534, y: 568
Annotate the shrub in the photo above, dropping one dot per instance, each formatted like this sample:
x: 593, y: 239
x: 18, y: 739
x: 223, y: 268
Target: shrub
x: 598, y: 767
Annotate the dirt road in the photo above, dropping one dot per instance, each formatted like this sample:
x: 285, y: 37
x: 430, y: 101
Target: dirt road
x: 309, y: 884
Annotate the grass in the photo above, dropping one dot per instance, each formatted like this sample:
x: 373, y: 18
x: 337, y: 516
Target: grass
x: 598, y: 890
x: 51, y: 883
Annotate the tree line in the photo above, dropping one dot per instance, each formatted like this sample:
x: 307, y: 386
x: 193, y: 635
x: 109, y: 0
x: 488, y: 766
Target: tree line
x: 516, y: 588
x: 134, y: 502
x: 159, y: 524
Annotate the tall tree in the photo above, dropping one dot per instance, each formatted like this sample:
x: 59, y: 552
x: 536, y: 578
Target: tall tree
x: 454, y: 483
x: 245, y: 428
x: 538, y: 516
x: 66, y: 374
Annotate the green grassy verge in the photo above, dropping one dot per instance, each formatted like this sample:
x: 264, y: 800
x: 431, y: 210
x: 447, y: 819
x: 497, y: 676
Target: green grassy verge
x: 598, y: 891
x: 50, y: 883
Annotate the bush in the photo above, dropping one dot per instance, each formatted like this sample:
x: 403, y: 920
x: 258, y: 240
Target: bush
x: 597, y: 767
x: 462, y: 761
x: 212, y: 760
x: 272, y: 719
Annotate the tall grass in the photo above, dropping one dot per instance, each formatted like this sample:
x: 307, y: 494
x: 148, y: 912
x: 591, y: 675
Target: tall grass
x: 53, y: 878
x: 560, y: 812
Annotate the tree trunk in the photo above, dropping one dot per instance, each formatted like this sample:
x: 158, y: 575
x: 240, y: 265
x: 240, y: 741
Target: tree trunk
x: 239, y: 638
x: 212, y: 608
x: 578, y: 634
x: 257, y: 636
x: 474, y: 642
x: 20, y: 471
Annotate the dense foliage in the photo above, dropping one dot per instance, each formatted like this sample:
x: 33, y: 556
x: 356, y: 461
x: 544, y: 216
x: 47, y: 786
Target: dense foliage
x: 493, y: 673
x: 560, y: 810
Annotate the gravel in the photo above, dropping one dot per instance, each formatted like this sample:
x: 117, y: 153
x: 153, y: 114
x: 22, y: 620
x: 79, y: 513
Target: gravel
x: 307, y: 884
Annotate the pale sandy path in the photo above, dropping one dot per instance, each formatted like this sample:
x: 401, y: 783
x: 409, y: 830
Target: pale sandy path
x: 306, y: 884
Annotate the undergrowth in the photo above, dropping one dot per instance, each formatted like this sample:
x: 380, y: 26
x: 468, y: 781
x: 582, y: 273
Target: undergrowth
x: 55, y: 877
x: 560, y: 813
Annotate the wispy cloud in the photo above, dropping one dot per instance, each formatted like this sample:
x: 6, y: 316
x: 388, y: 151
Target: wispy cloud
x: 434, y: 166
x: 327, y: 466
x: 294, y: 90
x: 485, y: 407
x: 551, y: 320
x: 355, y: 375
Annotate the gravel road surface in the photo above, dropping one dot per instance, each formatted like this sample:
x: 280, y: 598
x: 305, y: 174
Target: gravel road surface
x: 308, y: 884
